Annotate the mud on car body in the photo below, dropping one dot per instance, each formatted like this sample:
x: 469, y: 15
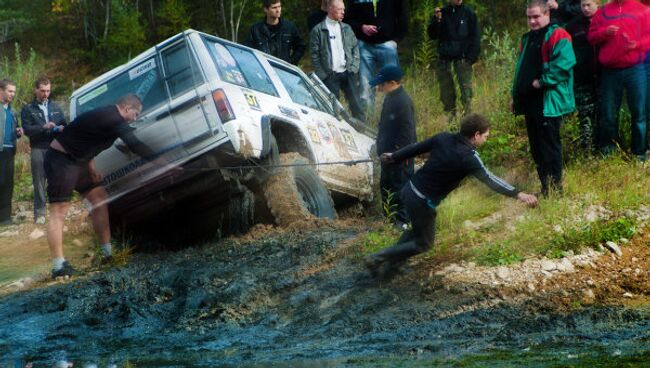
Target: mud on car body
x: 235, y: 119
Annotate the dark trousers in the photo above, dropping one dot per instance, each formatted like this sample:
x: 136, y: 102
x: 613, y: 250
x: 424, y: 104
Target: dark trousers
x: 463, y: 71
x: 545, y: 144
x: 38, y: 181
x: 587, y: 103
x: 6, y: 182
x: 423, y: 229
x: 392, y: 180
x: 347, y: 82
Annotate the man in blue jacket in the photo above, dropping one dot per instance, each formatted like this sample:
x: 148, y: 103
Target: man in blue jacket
x: 9, y: 132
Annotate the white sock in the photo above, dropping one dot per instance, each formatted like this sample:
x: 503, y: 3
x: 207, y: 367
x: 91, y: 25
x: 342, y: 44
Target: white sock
x: 107, y: 249
x: 57, y: 263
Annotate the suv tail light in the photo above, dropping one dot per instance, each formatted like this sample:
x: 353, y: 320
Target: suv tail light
x: 223, y: 106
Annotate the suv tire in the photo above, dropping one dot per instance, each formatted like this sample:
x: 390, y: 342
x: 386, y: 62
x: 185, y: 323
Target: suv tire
x: 296, y: 193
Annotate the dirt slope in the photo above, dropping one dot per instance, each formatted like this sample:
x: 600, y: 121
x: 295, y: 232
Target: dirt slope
x: 301, y: 294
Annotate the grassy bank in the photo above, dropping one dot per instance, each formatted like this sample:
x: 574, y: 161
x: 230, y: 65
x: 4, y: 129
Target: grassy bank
x: 603, y: 197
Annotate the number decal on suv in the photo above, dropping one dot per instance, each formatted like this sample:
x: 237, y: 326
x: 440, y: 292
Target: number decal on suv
x: 252, y: 101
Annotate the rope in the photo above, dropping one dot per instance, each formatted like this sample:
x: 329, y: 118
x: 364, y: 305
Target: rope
x: 347, y: 163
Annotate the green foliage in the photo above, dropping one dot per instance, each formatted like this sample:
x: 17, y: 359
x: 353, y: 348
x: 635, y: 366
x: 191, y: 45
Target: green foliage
x: 23, y: 71
x: 379, y: 239
x: 590, y: 234
x: 389, y: 206
x: 127, y: 37
x: 173, y: 18
x: 497, y: 255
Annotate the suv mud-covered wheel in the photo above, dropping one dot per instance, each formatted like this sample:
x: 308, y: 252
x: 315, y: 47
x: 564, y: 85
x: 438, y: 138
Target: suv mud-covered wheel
x: 296, y: 192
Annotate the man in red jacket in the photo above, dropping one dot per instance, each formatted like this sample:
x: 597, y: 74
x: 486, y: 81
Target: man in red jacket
x: 621, y: 30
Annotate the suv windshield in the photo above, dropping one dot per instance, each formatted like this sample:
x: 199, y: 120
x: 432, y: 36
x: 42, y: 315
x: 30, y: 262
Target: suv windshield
x: 299, y: 89
x: 142, y: 79
x: 239, y: 66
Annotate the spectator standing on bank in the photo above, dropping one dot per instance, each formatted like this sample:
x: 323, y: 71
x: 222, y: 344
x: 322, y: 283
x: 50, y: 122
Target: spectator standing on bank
x: 452, y: 157
x: 9, y: 133
x: 379, y: 26
x: 621, y: 32
x: 335, y: 56
x: 276, y: 36
x: 543, y: 90
x: 396, y: 129
x: 457, y: 30
x: 563, y: 11
x: 317, y: 16
x: 647, y: 67
x: 586, y: 74
x: 42, y: 120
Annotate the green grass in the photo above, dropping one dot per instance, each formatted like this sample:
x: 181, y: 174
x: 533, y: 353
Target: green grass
x: 616, y: 183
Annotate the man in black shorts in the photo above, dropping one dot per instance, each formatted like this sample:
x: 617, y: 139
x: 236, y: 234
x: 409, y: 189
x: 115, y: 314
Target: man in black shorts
x: 69, y: 166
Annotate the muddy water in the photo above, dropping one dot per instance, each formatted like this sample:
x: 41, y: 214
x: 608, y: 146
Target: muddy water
x: 298, y: 299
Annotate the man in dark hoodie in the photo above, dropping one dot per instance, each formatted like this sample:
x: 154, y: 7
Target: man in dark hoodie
x: 379, y: 25
x: 459, y: 35
x: 452, y: 157
x: 396, y: 130
x: 563, y: 11
x: 585, y: 74
x: 276, y: 36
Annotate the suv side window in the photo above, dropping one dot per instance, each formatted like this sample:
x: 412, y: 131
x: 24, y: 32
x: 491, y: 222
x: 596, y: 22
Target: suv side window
x: 299, y: 89
x: 240, y: 66
x: 181, y: 70
x: 143, y: 80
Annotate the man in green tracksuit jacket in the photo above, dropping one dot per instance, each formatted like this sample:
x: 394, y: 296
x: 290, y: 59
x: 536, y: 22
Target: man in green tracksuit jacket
x: 542, y: 90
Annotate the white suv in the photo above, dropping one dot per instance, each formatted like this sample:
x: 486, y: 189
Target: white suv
x: 254, y: 134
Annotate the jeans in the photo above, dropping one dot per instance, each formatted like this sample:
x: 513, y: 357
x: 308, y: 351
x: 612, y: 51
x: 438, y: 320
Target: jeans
x: 421, y: 236
x: 393, y: 178
x: 348, y: 83
x: 38, y: 181
x: 463, y: 71
x: 613, y: 83
x: 373, y: 57
x: 6, y: 182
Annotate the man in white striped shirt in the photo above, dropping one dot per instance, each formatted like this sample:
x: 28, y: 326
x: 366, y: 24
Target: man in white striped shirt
x: 335, y: 56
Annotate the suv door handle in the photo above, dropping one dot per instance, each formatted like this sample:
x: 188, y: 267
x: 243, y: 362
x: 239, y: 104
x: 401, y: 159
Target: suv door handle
x: 122, y: 147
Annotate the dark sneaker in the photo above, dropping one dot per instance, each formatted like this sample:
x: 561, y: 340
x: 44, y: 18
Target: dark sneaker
x: 101, y: 261
x: 66, y: 270
x: 373, y: 263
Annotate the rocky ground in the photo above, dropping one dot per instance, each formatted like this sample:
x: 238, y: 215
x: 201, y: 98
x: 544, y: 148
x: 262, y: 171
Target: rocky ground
x: 301, y: 294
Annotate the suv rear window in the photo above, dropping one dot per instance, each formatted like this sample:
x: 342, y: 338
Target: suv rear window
x: 241, y: 67
x: 143, y: 80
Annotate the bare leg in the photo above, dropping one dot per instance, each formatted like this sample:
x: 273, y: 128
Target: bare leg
x: 55, y: 228
x: 97, y: 197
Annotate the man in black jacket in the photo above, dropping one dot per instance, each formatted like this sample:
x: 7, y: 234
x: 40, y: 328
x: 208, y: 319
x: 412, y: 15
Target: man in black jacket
x: 457, y: 31
x: 396, y: 129
x: 563, y: 11
x: 276, y: 36
x: 379, y: 25
x: 586, y: 74
x: 452, y: 158
x: 69, y: 166
x: 42, y: 121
